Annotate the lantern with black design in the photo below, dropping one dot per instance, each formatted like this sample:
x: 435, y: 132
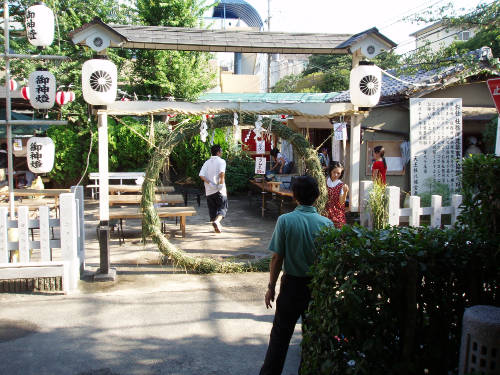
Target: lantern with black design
x: 99, y: 84
x: 365, y: 84
x: 39, y: 25
x: 40, y: 154
x: 42, y: 89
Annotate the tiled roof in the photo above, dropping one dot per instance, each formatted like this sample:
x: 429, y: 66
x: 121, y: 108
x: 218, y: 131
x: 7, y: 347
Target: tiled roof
x: 179, y: 38
x: 190, y: 39
x: 394, y: 90
x: 362, y: 35
x: 268, y: 97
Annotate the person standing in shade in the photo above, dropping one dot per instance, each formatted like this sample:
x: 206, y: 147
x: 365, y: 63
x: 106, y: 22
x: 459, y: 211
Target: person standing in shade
x: 379, y: 167
x: 293, y: 249
x: 324, y: 160
x: 213, y: 175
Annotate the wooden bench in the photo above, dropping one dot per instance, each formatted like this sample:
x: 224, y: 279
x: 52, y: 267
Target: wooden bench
x: 117, y: 189
x: 124, y: 213
x: 120, y: 176
x: 136, y: 199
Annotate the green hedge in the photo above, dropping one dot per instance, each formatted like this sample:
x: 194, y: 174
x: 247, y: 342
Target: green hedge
x: 391, y: 301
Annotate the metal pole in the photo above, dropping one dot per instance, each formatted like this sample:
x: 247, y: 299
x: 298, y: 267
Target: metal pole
x: 10, y: 165
x: 268, y: 54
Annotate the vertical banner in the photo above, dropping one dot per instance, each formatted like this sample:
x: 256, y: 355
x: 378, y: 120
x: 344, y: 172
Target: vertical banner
x: 336, y: 150
x: 340, y: 129
x: 260, y: 165
x: 436, y: 143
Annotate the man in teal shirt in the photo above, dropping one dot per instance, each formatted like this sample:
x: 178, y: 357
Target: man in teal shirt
x: 293, y: 250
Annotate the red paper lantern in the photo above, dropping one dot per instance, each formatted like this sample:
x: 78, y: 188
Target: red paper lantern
x: 62, y: 98
x: 71, y: 95
x: 25, y: 92
x: 12, y: 85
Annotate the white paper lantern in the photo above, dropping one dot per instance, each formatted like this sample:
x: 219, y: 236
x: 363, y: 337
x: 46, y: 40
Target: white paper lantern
x: 40, y: 154
x: 40, y: 25
x: 12, y: 85
x: 99, y: 81
x: 42, y: 89
x: 365, y: 84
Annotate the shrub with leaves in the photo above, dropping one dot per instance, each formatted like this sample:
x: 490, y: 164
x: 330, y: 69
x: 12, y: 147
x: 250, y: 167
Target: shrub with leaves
x: 481, y: 195
x: 391, y: 301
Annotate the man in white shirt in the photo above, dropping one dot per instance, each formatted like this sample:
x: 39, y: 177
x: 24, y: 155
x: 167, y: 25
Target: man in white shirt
x: 213, y: 175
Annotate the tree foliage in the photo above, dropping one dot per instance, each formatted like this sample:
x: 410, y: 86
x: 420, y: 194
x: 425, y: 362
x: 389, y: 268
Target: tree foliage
x: 181, y: 74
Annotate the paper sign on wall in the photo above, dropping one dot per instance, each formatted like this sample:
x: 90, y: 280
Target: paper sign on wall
x: 260, y: 165
x: 340, y: 130
x: 260, y: 147
x: 17, y: 144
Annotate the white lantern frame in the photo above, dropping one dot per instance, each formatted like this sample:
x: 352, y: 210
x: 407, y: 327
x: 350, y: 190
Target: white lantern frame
x: 40, y: 153
x: 39, y: 22
x: 365, y: 84
x: 99, y: 81
x: 42, y: 89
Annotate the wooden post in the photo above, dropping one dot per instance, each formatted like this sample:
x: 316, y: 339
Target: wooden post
x: 393, y: 202
x: 69, y: 240
x: 364, y: 214
x: 414, y: 219
x: 78, y: 191
x: 354, y: 160
x: 436, y: 205
x: 456, y: 201
x: 104, y: 273
x: 23, y: 228
x: 43, y: 213
x: 4, y: 249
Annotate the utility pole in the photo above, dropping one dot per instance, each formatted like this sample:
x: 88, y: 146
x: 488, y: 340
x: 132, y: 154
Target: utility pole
x: 268, y: 54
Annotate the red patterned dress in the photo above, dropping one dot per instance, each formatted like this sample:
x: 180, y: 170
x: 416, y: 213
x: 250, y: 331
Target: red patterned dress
x: 335, y: 211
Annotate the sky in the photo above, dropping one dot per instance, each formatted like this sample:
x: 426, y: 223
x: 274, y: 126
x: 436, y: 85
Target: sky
x: 352, y: 16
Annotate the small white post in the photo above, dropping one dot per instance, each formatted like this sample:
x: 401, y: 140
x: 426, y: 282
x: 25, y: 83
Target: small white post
x: 393, y: 200
x: 22, y: 224
x: 44, y: 233
x: 4, y: 242
x: 364, y: 214
x: 456, y: 201
x: 78, y: 191
x: 69, y: 239
x: 414, y: 219
x: 436, y: 204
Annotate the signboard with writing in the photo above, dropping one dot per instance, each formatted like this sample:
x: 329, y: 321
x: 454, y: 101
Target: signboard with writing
x: 436, y: 143
x: 260, y: 165
x: 340, y: 129
x: 260, y: 147
x: 494, y: 86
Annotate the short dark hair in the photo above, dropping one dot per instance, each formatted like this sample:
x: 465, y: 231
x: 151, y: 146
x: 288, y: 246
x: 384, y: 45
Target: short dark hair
x: 305, y: 190
x: 274, y: 152
x: 336, y: 164
x: 214, y: 150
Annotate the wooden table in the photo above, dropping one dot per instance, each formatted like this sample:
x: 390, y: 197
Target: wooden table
x: 32, y: 203
x: 267, y: 188
x: 114, y: 189
x: 136, y: 199
x: 112, y: 176
x: 122, y: 213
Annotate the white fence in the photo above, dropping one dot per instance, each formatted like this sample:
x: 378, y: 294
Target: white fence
x: 413, y: 212
x: 68, y: 264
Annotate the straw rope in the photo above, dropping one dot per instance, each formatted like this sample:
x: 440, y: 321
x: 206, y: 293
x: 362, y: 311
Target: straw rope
x: 151, y: 222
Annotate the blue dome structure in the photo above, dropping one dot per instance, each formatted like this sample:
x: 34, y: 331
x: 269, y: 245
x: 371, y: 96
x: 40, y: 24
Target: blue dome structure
x: 238, y: 9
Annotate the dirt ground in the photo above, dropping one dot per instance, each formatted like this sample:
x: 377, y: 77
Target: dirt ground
x: 246, y: 234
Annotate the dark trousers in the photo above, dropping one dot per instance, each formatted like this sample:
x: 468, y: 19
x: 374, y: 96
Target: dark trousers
x: 292, y: 302
x: 217, y: 205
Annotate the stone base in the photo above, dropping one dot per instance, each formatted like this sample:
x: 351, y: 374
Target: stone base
x: 110, y: 276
